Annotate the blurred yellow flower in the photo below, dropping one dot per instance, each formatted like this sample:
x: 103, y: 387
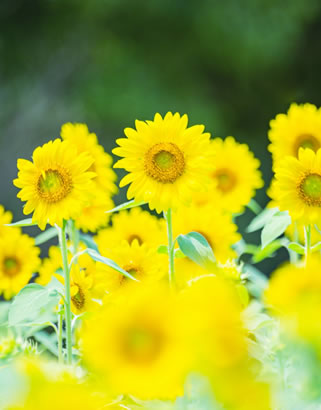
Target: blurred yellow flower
x: 5, y: 218
x: 299, y: 128
x: 56, y: 185
x: 234, y: 174
x: 297, y: 186
x: 18, y: 261
x: 133, y: 224
x: 138, y: 344
x: 165, y: 160
x: 217, y: 228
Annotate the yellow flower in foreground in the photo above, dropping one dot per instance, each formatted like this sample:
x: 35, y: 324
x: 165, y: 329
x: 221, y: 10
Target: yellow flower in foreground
x: 86, y: 141
x: 57, y: 184
x: 217, y: 228
x: 166, y: 161
x: 133, y: 224
x: 235, y: 176
x: 138, y: 344
x: 140, y: 261
x: 294, y: 294
x: 297, y: 188
x: 299, y: 128
x: 18, y: 261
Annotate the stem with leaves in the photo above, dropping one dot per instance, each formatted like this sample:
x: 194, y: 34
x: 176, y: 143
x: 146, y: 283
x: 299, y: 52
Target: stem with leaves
x: 171, y: 271
x: 63, y: 248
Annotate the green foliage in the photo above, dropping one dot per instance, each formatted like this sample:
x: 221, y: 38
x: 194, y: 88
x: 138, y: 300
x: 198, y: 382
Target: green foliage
x: 126, y: 205
x: 196, y: 247
x: 274, y: 227
x: 46, y: 236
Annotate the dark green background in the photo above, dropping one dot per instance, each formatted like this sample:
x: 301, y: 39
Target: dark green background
x: 231, y: 65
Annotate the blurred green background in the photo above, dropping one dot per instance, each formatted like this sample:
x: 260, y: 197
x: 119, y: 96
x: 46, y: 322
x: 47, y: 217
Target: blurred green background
x: 231, y: 65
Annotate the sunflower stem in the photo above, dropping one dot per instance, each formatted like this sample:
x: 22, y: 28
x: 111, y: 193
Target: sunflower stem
x: 170, y: 248
x: 63, y: 248
x: 60, y: 320
x: 307, y: 238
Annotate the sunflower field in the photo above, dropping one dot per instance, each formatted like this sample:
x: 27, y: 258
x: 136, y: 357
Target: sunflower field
x: 156, y: 303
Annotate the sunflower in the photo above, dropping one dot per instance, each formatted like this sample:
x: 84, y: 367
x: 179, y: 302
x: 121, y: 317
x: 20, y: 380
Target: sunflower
x: 234, y: 174
x: 51, y: 265
x: 86, y: 141
x: 137, y: 344
x: 80, y: 290
x: 142, y: 262
x: 217, y: 228
x: 166, y: 161
x: 18, y: 261
x: 133, y: 224
x: 298, y: 186
x: 5, y: 217
x: 294, y: 294
x: 94, y: 216
x: 56, y: 185
x: 299, y: 128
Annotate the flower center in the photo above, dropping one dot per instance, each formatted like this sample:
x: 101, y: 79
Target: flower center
x: 131, y: 238
x: 54, y: 185
x: 164, y: 162
x: 306, y: 141
x: 226, y: 180
x: 132, y: 270
x: 142, y: 344
x: 310, y: 189
x: 79, y: 298
x: 11, y: 266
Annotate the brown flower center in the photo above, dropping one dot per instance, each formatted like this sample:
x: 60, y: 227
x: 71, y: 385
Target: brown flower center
x: 11, y: 266
x: 164, y: 162
x: 79, y: 298
x: 54, y: 185
x: 226, y: 180
x: 310, y: 190
x: 133, y: 237
x: 132, y: 270
x: 306, y: 141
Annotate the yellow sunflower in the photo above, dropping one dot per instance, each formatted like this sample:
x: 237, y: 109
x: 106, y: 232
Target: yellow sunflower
x: 18, y: 261
x: 94, y: 215
x: 218, y: 229
x: 51, y: 265
x: 142, y: 262
x: 5, y: 217
x: 138, y: 345
x: 294, y: 294
x: 80, y: 290
x: 166, y: 161
x: 133, y: 224
x: 234, y: 174
x: 299, y: 128
x: 57, y: 184
x: 297, y: 188
x: 86, y: 141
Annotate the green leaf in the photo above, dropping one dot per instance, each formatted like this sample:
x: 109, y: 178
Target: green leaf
x: 126, y: 205
x: 49, y: 341
x: 162, y: 249
x: 196, y: 247
x: 46, y: 235
x: 33, y: 305
x: 22, y: 223
x: 106, y: 261
x: 88, y: 241
x: 257, y: 281
x: 254, y: 207
x: 259, y: 221
x: 296, y: 247
x: 266, y: 252
x: 275, y: 227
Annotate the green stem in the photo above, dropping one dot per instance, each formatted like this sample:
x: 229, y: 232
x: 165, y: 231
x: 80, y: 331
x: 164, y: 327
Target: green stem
x: 307, y: 238
x: 63, y: 248
x: 60, y: 320
x: 171, y: 271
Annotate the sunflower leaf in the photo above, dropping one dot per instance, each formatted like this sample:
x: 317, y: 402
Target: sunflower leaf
x: 23, y: 222
x: 33, y: 305
x: 196, y: 247
x: 88, y: 241
x: 46, y: 235
x: 296, y: 247
x: 261, y: 219
x: 275, y: 226
x: 126, y: 205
